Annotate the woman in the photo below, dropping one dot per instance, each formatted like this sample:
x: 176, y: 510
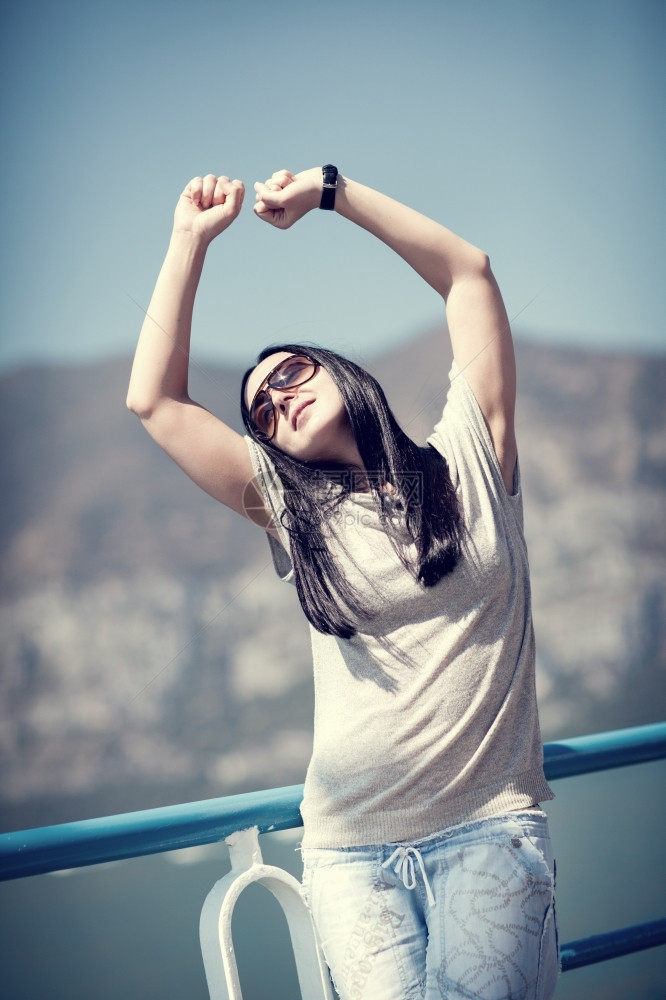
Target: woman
x: 427, y: 862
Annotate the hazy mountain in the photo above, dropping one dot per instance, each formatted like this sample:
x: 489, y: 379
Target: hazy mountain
x: 149, y: 654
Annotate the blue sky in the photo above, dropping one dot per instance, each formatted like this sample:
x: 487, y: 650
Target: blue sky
x: 534, y: 129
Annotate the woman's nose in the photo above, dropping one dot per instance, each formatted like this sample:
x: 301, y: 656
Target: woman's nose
x: 281, y: 396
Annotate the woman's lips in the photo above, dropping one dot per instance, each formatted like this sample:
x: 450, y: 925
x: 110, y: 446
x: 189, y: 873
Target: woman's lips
x: 297, y: 412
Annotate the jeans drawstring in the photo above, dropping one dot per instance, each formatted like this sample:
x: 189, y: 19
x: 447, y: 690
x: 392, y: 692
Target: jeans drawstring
x: 404, y: 869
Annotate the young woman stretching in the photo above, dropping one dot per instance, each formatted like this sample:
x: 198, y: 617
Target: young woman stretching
x: 427, y: 862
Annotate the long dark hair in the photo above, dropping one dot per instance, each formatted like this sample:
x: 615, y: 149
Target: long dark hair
x: 420, y: 489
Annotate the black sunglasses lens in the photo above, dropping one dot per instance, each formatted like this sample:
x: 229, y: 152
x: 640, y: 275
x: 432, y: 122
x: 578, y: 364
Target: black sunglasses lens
x: 292, y: 371
x: 263, y: 414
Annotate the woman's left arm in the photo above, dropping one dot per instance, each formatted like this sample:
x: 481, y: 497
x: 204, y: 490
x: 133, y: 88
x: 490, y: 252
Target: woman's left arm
x: 477, y: 320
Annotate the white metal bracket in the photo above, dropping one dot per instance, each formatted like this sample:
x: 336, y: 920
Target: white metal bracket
x: 215, y: 925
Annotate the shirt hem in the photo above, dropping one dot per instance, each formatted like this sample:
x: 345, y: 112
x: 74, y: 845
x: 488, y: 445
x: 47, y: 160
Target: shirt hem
x: 417, y: 823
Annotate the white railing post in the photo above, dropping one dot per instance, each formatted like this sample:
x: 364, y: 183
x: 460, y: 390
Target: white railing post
x: 215, y: 925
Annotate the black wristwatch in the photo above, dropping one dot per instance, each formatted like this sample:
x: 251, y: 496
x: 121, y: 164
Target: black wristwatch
x: 330, y: 184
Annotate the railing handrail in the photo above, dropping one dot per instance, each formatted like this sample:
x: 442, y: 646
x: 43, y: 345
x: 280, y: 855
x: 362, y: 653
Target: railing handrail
x: 612, y: 944
x: 603, y: 751
x: 152, y: 831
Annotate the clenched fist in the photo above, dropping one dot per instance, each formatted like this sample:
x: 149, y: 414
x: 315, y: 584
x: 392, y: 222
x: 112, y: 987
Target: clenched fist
x: 285, y: 197
x: 208, y: 205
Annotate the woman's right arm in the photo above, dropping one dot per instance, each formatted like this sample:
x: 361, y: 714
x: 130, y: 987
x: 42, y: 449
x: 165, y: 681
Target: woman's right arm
x: 210, y: 452
x: 477, y: 321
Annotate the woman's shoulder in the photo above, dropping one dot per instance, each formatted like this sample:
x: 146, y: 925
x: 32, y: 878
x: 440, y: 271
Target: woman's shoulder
x: 462, y: 436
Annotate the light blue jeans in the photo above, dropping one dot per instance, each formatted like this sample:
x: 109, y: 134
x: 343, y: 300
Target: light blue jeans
x: 467, y: 913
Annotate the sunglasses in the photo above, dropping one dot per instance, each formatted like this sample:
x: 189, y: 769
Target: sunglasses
x: 294, y: 370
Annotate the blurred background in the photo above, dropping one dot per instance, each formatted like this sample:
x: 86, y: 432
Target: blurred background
x: 534, y: 129
x: 149, y: 655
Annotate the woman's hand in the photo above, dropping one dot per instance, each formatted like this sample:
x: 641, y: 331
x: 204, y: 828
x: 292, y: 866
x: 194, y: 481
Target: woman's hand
x: 207, y: 206
x: 285, y: 197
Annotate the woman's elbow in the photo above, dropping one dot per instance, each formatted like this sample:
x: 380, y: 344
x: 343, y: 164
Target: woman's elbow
x: 144, y: 407
x: 137, y: 406
x: 472, y: 267
x: 479, y: 264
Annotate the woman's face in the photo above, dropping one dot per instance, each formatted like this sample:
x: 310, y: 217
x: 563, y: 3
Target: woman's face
x: 311, y: 421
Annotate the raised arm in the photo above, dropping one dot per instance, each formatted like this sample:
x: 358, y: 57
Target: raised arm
x: 209, y: 451
x: 477, y: 320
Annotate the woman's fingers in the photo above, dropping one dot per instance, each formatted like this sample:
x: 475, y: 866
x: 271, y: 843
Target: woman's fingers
x: 211, y: 190
x: 273, y: 188
x: 233, y: 193
x: 267, y: 197
x: 214, y: 189
x: 262, y: 189
x: 220, y: 191
x: 284, y: 198
x: 265, y: 211
x: 193, y: 190
x: 209, y: 185
x: 224, y: 188
x: 208, y: 205
x: 273, y: 203
x: 283, y: 177
x: 279, y: 180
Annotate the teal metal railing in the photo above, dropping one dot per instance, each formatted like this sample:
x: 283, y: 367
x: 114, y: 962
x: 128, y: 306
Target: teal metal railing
x: 152, y: 831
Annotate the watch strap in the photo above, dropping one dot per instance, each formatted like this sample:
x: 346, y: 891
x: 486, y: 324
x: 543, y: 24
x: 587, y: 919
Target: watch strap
x: 330, y: 183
